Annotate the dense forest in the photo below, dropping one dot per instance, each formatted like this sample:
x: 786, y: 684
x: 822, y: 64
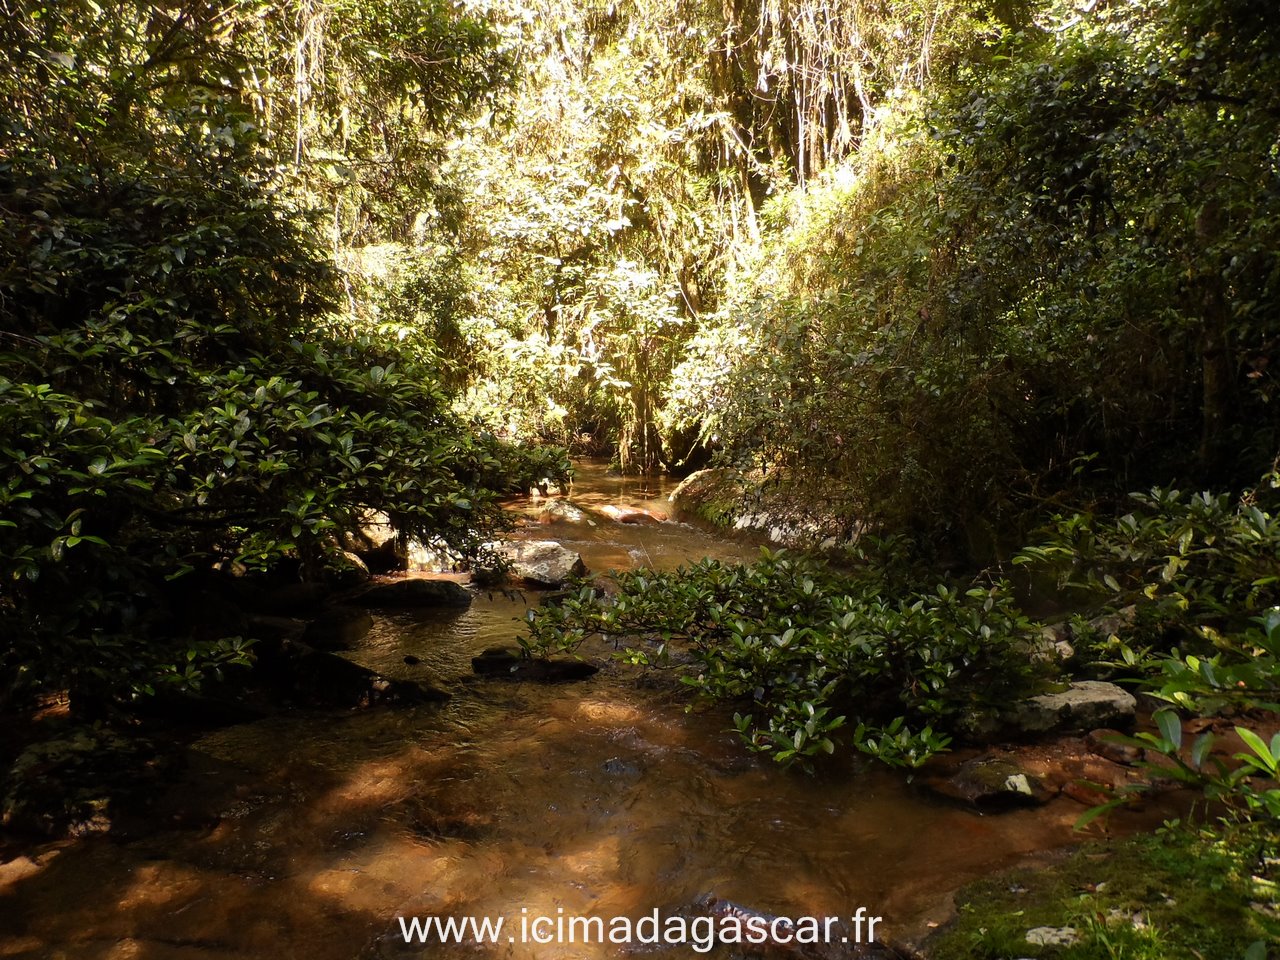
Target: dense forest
x: 957, y: 276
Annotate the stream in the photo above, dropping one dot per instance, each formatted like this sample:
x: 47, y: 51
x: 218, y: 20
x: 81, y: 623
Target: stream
x: 306, y: 835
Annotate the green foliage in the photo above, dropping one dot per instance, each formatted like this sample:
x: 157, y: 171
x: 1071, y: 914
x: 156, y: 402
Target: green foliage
x: 1066, y: 248
x: 812, y: 649
x: 177, y: 393
x: 1204, y: 571
x: 1199, y: 563
x: 75, y: 779
x: 1240, y: 787
x: 357, y: 100
x: 615, y: 209
x: 1241, y: 678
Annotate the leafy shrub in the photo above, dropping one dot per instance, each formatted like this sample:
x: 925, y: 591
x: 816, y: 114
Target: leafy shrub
x: 1204, y: 573
x: 1067, y: 247
x: 176, y: 394
x: 1241, y: 679
x: 1197, y: 565
x: 812, y: 649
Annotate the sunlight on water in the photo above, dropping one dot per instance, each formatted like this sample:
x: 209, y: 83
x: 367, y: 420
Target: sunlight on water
x: 603, y: 798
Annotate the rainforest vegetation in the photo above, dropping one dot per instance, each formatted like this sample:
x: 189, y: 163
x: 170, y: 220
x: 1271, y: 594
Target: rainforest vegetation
x: 961, y: 274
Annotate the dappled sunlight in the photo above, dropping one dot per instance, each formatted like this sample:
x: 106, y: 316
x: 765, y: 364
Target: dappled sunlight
x: 13, y: 872
x: 602, y: 712
x: 602, y: 798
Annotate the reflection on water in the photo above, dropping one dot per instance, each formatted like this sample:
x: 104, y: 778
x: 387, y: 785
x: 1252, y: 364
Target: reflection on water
x: 604, y: 798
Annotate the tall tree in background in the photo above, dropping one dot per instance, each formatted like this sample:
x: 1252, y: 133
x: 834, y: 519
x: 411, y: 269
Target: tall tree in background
x: 626, y: 192
x: 1055, y: 277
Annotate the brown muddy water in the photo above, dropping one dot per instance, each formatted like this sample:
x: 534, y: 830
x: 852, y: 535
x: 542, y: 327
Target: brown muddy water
x: 310, y: 834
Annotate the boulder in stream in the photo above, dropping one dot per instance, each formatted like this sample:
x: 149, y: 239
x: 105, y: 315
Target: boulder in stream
x: 713, y: 496
x: 414, y: 592
x: 1085, y: 705
x: 505, y: 663
x: 632, y: 514
x: 988, y: 782
x: 322, y: 679
x: 562, y: 511
x: 541, y: 563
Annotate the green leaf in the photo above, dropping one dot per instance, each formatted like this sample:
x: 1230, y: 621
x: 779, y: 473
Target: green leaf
x: 1170, y: 726
x: 1201, y: 748
x: 1256, y: 744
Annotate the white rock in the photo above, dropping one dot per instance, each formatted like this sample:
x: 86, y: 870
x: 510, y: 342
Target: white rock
x: 1052, y: 936
x: 545, y: 563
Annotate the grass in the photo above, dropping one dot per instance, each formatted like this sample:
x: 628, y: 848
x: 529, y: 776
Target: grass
x: 1185, y: 892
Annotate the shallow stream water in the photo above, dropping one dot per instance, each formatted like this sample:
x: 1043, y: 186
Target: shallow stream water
x: 307, y: 835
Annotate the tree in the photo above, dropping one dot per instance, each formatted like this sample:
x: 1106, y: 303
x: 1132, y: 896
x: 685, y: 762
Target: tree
x: 178, y: 391
x: 1055, y: 276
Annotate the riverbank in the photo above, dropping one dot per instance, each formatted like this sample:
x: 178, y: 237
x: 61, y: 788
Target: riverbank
x: 1182, y: 892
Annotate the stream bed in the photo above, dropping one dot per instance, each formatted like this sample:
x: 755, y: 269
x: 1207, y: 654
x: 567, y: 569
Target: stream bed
x: 306, y: 835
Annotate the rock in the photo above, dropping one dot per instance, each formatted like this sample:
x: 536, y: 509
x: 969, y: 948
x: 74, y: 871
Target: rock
x: 1052, y: 936
x: 562, y: 511
x: 1083, y: 793
x: 631, y: 514
x: 376, y: 543
x: 414, y: 592
x: 434, y: 556
x: 1054, y: 644
x: 348, y: 570
x: 337, y: 628
x: 991, y: 782
x: 318, y: 678
x: 505, y: 663
x: 1115, y: 624
x: 541, y: 563
x: 1086, y: 704
x: 353, y: 560
x: 617, y: 767
x: 711, y: 495
x: 1101, y: 743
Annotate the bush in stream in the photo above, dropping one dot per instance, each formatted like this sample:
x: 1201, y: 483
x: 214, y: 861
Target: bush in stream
x: 812, y: 649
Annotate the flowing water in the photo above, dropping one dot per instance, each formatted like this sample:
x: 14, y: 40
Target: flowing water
x: 307, y: 835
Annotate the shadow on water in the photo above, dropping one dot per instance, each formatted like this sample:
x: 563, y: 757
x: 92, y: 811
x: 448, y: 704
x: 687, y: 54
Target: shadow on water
x: 605, y: 798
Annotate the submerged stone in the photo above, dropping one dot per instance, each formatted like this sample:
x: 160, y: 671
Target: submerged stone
x: 990, y: 782
x: 504, y: 663
x: 318, y: 678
